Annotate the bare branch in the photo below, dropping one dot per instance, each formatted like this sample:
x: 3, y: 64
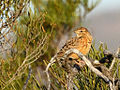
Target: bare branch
x: 88, y: 63
x: 48, y: 76
x: 114, y: 60
x: 97, y: 72
x: 29, y: 74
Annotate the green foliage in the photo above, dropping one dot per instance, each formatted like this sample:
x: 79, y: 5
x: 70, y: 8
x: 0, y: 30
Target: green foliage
x: 31, y: 44
x: 63, y: 13
x: 86, y: 79
x: 10, y: 10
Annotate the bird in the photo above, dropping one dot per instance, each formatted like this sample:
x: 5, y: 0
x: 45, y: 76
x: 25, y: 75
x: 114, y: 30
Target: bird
x: 82, y: 42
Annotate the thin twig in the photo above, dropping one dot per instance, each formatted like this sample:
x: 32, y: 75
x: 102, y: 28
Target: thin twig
x: 23, y: 65
x: 118, y: 75
x: 69, y: 82
x: 114, y: 60
x: 47, y: 68
x: 29, y: 74
x: 116, y: 72
x: 112, y: 64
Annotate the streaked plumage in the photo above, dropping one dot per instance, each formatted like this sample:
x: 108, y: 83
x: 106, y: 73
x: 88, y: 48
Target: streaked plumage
x: 82, y: 42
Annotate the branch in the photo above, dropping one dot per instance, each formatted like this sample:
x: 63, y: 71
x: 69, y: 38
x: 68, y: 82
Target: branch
x: 114, y: 60
x: 47, y: 68
x: 117, y: 72
x: 29, y: 74
x: 88, y: 63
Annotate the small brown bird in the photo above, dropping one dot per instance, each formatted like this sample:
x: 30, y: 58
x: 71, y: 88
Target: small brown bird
x: 82, y: 42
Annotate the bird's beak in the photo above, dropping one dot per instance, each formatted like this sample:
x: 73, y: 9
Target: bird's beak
x: 75, y: 31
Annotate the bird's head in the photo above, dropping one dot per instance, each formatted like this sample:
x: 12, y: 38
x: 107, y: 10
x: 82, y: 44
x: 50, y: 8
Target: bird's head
x: 83, y: 32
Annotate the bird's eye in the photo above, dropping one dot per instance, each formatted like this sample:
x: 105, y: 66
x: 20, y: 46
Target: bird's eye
x: 70, y: 59
x: 61, y: 59
x: 81, y: 31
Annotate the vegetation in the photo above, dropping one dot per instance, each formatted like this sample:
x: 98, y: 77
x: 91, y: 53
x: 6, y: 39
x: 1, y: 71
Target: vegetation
x: 38, y: 26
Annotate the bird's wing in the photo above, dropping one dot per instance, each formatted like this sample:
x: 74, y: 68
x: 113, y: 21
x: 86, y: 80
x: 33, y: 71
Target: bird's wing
x: 80, y: 44
x: 72, y: 43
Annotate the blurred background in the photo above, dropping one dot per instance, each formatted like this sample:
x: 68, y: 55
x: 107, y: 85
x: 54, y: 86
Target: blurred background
x: 104, y: 22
